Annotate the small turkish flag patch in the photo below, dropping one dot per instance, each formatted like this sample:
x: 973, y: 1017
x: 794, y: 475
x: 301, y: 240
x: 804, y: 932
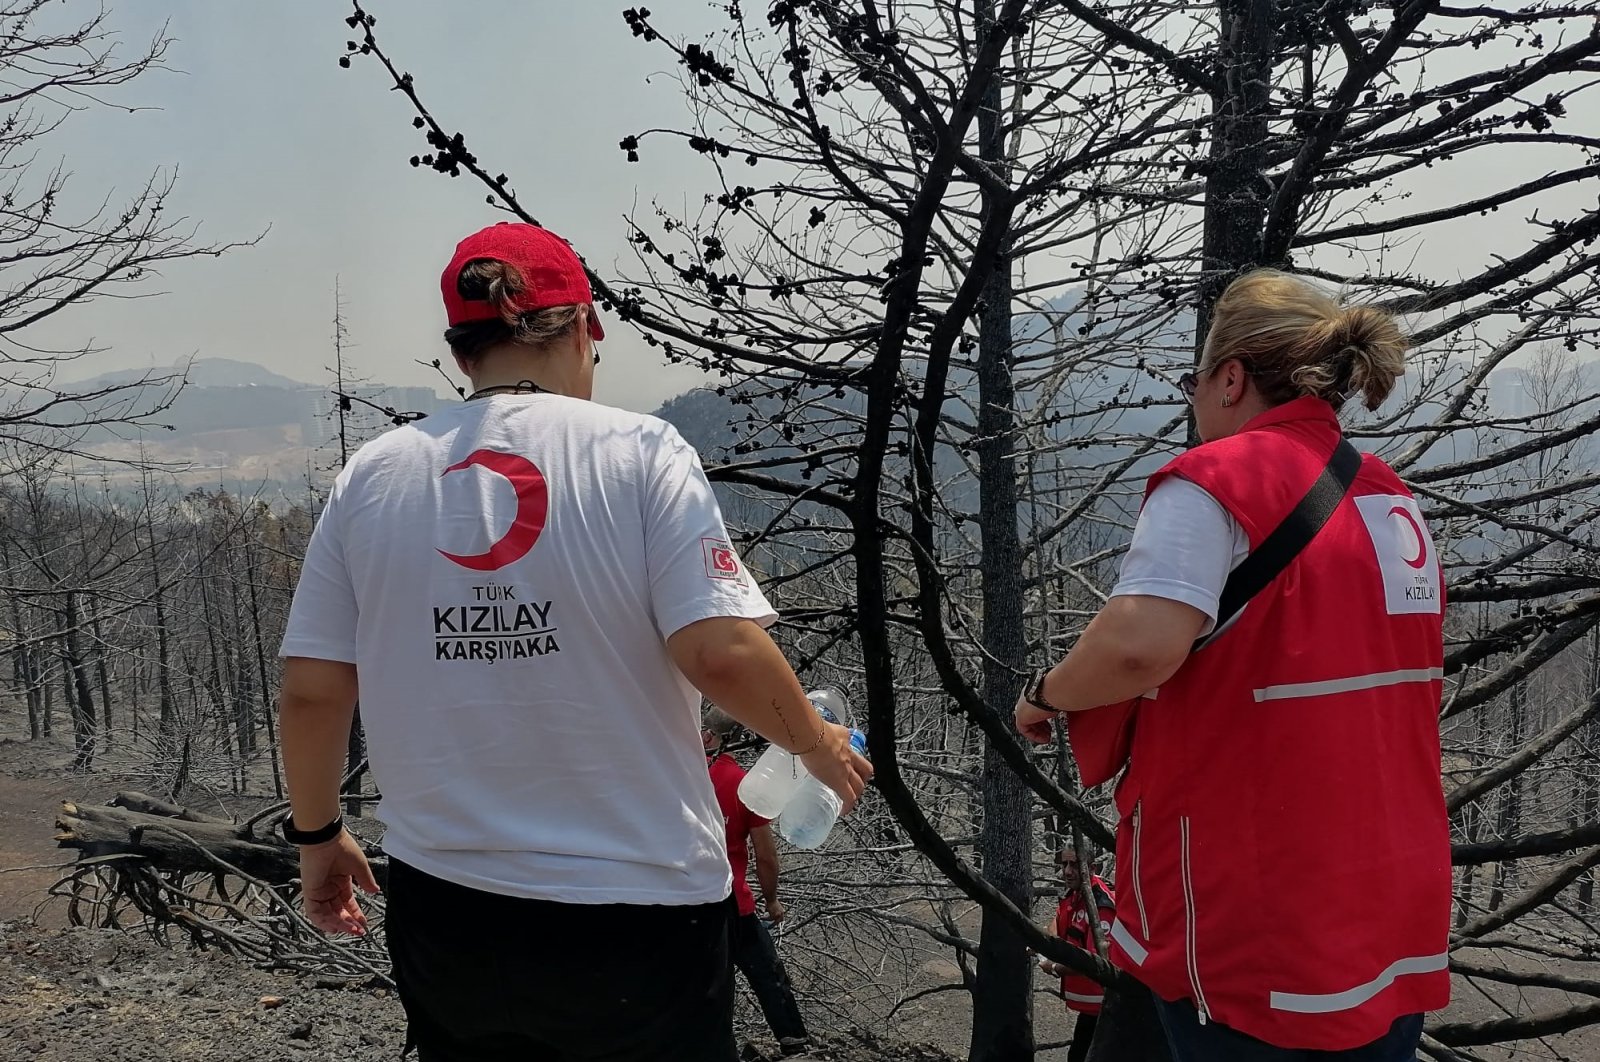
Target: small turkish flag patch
x: 721, y: 561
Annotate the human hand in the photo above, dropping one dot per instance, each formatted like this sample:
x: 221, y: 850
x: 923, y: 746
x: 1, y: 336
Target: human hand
x: 1034, y: 722
x: 776, y: 911
x: 328, y: 872
x: 838, y: 766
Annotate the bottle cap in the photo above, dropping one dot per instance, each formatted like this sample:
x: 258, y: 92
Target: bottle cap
x: 831, y: 704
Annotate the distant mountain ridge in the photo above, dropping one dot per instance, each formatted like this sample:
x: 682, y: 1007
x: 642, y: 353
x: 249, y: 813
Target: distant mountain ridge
x: 226, y: 394
x: 201, y: 372
x: 240, y: 419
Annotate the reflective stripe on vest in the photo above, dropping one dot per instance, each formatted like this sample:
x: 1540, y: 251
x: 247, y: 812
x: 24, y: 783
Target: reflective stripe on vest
x: 1353, y: 684
x: 1350, y: 998
x: 1132, y: 948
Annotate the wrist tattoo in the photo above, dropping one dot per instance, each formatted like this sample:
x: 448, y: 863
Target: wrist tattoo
x: 777, y: 706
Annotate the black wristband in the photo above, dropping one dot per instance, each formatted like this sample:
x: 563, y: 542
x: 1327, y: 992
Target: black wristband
x: 1035, y: 696
x: 305, y: 837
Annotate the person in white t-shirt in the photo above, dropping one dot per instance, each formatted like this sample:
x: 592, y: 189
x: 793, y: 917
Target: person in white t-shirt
x: 531, y: 592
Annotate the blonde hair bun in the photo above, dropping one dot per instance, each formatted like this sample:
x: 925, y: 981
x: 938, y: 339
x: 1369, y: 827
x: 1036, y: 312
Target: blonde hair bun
x: 1300, y: 341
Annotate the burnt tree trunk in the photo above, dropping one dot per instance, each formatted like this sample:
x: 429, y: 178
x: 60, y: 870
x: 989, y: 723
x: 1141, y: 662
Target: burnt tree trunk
x: 1509, y: 818
x: 19, y: 686
x: 244, y: 698
x: 167, y: 720
x: 75, y: 683
x: 226, y: 719
x: 1237, y: 199
x: 1588, y: 803
x: 355, y: 756
x: 1002, y: 992
x: 108, y: 830
x: 46, y: 691
x: 25, y: 660
x: 102, y: 679
x: 174, y: 838
x: 267, y: 714
x: 1236, y: 191
x: 38, y: 719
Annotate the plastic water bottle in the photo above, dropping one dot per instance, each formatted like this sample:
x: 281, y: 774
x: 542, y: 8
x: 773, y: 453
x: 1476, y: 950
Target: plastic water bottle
x: 771, y: 782
x: 808, y: 817
x: 778, y: 774
x: 831, y: 705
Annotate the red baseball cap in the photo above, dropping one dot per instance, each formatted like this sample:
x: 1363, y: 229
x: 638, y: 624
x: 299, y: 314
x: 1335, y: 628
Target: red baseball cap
x: 551, y: 273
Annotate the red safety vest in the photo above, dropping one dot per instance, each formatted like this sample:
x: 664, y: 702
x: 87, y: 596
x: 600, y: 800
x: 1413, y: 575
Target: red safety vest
x: 1083, y: 994
x: 1283, y: 851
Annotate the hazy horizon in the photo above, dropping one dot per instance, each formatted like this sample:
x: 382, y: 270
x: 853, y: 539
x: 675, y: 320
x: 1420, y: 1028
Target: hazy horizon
x: 270, y: 136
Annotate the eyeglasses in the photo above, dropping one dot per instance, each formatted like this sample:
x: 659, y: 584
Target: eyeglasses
x: 1189, y: 382
x: 594, y: 348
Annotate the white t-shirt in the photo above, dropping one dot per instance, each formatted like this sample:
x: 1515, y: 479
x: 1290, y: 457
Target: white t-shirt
x: 504, y: 576
x: 1184, y: 547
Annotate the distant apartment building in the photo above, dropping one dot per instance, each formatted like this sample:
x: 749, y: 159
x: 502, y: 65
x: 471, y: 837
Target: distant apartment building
x: 1510, y: 394
x: 1523, y: 392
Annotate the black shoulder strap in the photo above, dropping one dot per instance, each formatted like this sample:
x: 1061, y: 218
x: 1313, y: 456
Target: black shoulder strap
x: 1102, y: 898
x: 1267, y: 561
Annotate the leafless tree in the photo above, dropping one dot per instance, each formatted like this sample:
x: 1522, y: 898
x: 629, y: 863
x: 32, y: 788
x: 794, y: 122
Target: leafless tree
x: 977, y: 241
x: 62, y: 246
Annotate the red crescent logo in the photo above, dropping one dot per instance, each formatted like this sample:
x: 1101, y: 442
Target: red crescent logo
x: 1421, y: 559
x: 533, y: 505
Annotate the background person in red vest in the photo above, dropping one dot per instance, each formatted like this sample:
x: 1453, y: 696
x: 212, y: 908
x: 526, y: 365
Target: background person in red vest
x: 752, y: 947
x: 1083, y: 995
x: 1283, y: 852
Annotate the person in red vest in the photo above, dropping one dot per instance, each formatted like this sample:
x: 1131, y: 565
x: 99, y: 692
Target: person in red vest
x: 1083, y: 995
x: 1283, y: 851
x: 751, y: 945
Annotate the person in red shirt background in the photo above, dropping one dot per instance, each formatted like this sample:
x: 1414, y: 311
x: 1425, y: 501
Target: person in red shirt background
x: 752, y: 947
x: 1083, y: 995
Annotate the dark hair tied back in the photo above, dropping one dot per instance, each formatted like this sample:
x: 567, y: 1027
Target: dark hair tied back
x: 501, y: 284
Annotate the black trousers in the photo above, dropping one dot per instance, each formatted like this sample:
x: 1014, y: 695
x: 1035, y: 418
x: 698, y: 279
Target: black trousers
x: 1211, y: 1042
x: 1082, y: 1037
x: 758, y: 960
x: 490, y: 978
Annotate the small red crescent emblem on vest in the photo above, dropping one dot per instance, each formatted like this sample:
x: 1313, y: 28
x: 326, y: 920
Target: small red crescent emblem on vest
x: 1418, y: 539
x: 533, y: 506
